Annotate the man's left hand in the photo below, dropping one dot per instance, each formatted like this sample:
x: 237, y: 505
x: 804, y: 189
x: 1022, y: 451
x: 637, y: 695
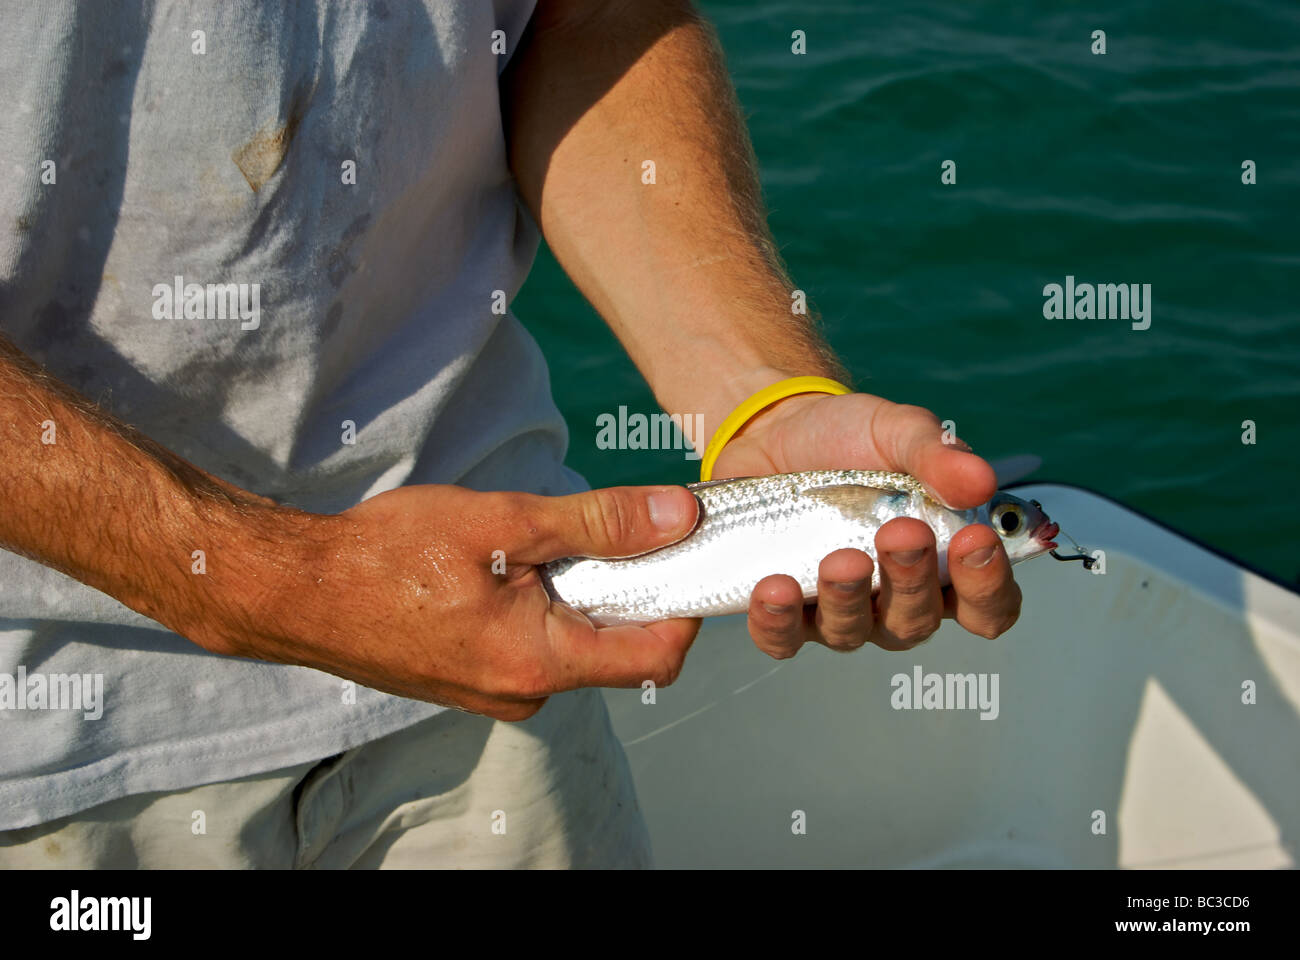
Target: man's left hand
x: 863, y: 432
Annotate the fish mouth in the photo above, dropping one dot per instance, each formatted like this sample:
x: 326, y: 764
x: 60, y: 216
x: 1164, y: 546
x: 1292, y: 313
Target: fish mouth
x: 1044, y: 534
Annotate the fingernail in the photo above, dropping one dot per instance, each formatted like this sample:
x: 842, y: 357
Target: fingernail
x: 776, y: 609
x: 906, y: 558
x: 668, y: 510
x: 978, y: 558
x: 850, y: 587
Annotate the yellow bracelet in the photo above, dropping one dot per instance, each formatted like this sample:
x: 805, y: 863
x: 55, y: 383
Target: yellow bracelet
x: 761, y: 401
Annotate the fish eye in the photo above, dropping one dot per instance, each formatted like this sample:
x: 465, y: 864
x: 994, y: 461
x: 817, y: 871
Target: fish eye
x: 1008, y: 518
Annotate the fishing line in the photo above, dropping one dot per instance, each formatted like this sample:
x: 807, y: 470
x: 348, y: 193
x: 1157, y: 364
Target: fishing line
x: 1089, y: 561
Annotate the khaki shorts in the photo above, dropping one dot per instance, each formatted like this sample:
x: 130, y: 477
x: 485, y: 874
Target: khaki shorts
x: 452, y: 791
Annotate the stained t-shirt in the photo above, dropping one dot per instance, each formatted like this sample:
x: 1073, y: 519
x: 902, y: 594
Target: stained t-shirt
x: 276, y: 238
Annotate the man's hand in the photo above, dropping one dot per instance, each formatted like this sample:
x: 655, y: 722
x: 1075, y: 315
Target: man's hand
x: 683, y: 269
x: 398, y: 593
x: 859, y: 431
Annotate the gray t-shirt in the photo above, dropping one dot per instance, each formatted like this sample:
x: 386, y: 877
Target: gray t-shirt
x: 347, y: 159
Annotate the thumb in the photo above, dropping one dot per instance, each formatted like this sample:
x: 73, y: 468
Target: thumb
x: 610, y: 522
x: 912, y: 440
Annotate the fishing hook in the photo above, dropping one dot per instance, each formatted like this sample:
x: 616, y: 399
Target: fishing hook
x: 1089, y: 561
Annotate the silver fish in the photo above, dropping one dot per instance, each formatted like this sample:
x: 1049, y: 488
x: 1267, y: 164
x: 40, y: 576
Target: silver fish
x: 752, y: 527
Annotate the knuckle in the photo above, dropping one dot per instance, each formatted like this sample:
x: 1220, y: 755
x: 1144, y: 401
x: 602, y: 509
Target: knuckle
x: 911, y: 589
x: 842, y: 632
x: 838, y: 607
x: 530, y: 517
x: 983, y: 596
x: 914, y: 631
x: 994, y: 624
x: 501, y: 503
x: 776, y: 646
x: 844, y: 642
x: 522, y: 515
x: 611, y: 519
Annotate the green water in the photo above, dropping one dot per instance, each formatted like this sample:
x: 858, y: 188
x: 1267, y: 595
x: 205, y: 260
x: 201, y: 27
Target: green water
x: 1122, y: 168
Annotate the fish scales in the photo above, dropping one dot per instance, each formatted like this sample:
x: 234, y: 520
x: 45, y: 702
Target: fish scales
x: 750, y: 528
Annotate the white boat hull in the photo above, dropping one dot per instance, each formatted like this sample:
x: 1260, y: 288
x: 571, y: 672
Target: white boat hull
x: 1120, y: 738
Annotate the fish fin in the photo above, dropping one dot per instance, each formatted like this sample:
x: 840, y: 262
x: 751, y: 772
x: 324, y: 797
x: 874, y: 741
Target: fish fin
x: 851, y: 498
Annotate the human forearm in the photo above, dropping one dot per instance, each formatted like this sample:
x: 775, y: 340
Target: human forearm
x: 94, y: 498
x: 684, y: 269
x: 686, y: 274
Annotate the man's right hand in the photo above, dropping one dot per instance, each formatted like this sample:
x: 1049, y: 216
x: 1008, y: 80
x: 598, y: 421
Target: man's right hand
x: 398, y: 594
